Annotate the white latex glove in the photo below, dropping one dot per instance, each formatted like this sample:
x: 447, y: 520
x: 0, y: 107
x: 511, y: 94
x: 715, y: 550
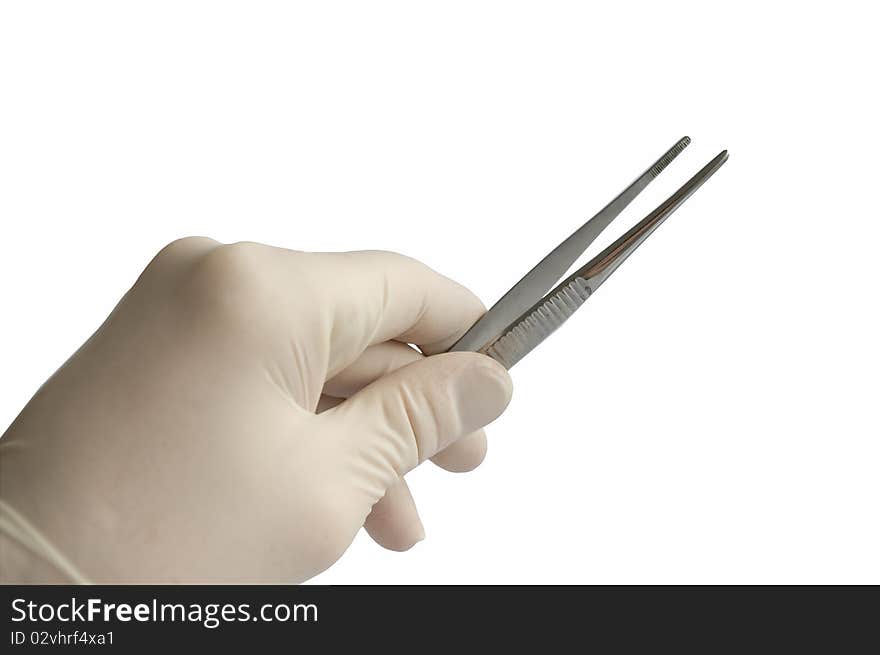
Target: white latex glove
x: 181, y: 443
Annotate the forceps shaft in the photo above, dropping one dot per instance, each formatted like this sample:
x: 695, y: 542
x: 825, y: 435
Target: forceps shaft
x: 541, y: 316
x: 550, y: 269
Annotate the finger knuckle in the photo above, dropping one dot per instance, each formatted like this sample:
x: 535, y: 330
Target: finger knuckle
x: 186, y: 246
x: 229, y: 282
x: 180, y: 251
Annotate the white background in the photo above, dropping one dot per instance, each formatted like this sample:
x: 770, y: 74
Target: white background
x: 709, y: 416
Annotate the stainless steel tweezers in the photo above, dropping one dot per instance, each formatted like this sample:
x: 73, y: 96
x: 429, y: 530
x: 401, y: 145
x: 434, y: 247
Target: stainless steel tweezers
x: 524, y: 317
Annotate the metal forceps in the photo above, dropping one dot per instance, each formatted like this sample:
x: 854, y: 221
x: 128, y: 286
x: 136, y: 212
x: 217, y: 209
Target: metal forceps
x: 524, y: 317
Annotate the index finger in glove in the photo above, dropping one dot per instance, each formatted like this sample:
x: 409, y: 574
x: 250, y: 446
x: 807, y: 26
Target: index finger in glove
x: 376, y: 296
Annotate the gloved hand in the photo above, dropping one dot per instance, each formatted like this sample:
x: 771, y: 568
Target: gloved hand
x: 184, y: 441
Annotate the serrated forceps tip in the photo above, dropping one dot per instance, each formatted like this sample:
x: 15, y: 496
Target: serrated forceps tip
x: 524, y: 317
